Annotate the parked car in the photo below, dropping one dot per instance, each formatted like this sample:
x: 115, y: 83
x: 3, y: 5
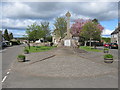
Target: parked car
x: 106, y: 45
x: 4, y: 44
x: 113, y: 45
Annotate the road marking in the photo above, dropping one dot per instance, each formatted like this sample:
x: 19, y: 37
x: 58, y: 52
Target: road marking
x: 4, y: 79
x: 8, y: 72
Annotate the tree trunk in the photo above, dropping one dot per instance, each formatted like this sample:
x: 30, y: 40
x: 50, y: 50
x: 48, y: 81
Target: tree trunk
x: 28, y: 43
x: 90, y: 42
x: 85, y: 43
x: 95, y: 45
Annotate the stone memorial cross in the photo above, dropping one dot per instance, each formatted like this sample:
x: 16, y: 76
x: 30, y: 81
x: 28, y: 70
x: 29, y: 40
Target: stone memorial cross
x: 68, y: 15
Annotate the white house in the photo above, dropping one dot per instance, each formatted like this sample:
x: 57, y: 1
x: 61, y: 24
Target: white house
x: 115, y: 35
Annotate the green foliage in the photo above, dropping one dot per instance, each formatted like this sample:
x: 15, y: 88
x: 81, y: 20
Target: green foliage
x: 95, y: 21
x: 90, y: 30
x: 6, y: 35
x: 60, y: 27
x: 36, y: 31
x: 26, y: 51
x: 106, y: 49
x: 21, y: 56
x: 107, y: 40
x: 45, y: 29
x: 88, y: 48
x: 108, y: 56
x: 39, y: 48
x: 11, y: 36
x: 49, y: 38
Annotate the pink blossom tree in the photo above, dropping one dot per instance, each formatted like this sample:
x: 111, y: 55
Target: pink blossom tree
x: 89, y: 29
x: 77, y: 26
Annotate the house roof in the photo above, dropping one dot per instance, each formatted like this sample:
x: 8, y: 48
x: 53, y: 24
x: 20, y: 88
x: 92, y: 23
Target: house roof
x: 116, y: 30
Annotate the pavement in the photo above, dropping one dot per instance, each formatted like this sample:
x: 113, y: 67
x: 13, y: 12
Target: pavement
x: 63, y: 68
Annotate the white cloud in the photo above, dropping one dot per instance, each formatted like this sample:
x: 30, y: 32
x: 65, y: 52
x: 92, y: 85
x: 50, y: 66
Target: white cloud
x: 107, y: 32
x: 17, y: 15
x: 17, y: 24
x: 15, y: 9
x: 100, y: 10
x: 60, y: 1
x: 19, y: 34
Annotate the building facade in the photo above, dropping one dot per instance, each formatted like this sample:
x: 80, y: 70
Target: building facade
x: 115, y: 36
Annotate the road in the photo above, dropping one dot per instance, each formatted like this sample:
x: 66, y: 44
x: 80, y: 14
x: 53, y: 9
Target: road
x: 64, y: 70
x: 9, y: 54
x: 114, y: 52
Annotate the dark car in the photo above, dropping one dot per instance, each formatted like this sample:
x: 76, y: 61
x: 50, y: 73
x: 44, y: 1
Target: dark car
x: 113, y: 45
x: 4, y: 44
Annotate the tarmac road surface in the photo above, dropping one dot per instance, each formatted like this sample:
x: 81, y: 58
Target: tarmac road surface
x: 66, y: 69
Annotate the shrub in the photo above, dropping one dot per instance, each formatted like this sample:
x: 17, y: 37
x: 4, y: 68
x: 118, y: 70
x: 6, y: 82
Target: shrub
x: 21, y: 57
x: 108, y: 56
x: 26, y: 51
x: 106, y: 49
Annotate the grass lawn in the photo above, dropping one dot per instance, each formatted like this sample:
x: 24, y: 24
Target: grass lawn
x: 40, y: 48
x: 88, y: 48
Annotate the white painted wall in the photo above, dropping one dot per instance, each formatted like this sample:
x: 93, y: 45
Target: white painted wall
x: 114, y: 38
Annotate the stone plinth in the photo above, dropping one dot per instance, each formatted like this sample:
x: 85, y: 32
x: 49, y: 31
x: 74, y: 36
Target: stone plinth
x: 67, y: 42
x: 71, y: 43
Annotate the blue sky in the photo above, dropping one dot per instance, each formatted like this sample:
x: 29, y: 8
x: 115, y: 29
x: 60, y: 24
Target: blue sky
x: 111, y: 24
x: 16, y: 16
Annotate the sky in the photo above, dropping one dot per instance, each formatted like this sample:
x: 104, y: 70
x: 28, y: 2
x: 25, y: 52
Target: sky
x: 16, y: 16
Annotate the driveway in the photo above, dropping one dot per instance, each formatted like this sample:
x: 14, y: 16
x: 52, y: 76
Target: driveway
x: 62, y: 68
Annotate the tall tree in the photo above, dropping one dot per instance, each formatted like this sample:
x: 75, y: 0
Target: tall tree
x: 60, y: 27
x: 45, y: 28
x: 88, y: 29
x: 36, y: 31
x: 91, y: 31
x: 32, y: 32
x: 6, y: 35
x: 106, y: 39
x: 11, y: 36
x: 95, y: 21
x: 77, y: 27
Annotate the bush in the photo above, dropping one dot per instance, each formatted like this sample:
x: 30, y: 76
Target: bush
x: 106, y: 49
x: 108, y: 56
x: 26, y: 51
x: 22, y: 57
